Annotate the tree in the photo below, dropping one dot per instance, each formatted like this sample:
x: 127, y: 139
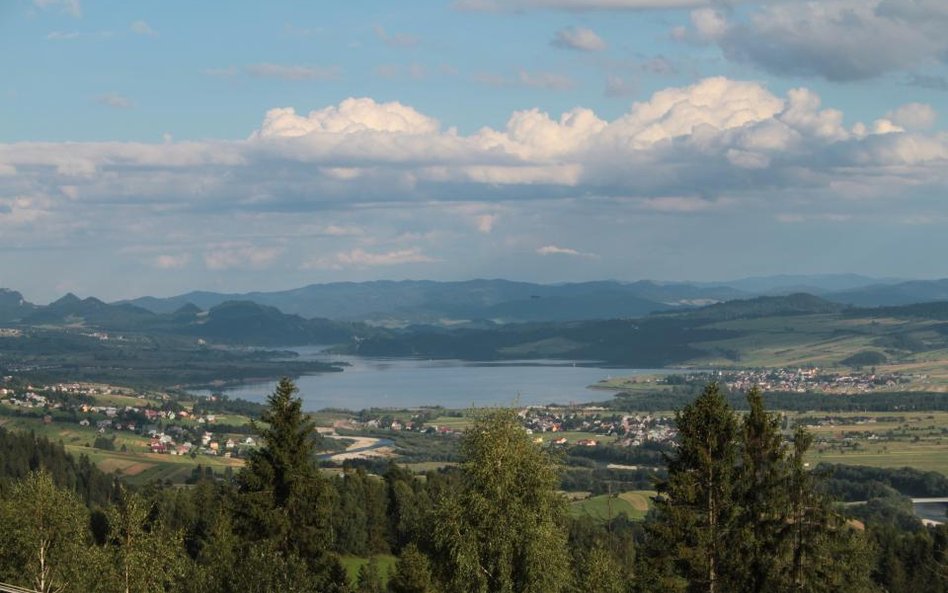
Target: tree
x: 762, y: 494
x: 695, y: 513
x: 825, y: 553
x: 282, y: 496
x: 504, y: 530
x: 44, y: 534
x: 741, y: 512
x: 412, y: 573
x: 598, y: 572
x: 141, y: 555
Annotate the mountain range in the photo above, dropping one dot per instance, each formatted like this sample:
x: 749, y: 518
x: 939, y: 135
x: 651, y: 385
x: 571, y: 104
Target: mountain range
x: 331, y: 313
x: 503, y: 301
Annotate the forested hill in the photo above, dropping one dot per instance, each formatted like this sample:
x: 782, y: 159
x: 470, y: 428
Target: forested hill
x: 231, y: 322
x: 22, y: 452
x: 798, y: 329
x: 765, y: 306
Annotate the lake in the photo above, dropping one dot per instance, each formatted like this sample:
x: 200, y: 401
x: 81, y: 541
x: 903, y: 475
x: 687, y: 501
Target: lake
x: 401, y: 383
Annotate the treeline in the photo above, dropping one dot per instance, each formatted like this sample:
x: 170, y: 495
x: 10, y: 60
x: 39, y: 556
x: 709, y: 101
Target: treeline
x: 737, y: 511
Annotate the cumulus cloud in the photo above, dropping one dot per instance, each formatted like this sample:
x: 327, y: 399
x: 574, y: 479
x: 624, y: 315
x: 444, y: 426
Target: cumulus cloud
x: 352, y: 116
x: 292, y: 72
x: 683, y: 149
x: 115, y: 101
x: 839, y: 40
x: 578, y: 38
x: 913, y: 116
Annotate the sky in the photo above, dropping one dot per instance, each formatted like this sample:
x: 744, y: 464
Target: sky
x: 160, y: 146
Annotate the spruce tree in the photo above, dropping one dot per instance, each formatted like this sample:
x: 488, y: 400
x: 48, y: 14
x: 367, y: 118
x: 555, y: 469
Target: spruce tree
x: 282, y: 496
x: 762, y: 495
x: 695, y: 516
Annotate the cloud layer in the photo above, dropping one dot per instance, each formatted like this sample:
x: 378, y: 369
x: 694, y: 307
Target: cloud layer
x: 366, y: 184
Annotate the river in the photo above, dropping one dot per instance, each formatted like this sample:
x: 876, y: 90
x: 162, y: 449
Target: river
x: 400, y: 383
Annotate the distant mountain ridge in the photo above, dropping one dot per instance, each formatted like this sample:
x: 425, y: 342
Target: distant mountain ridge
x: 423, y: 301
x: 231, y: 322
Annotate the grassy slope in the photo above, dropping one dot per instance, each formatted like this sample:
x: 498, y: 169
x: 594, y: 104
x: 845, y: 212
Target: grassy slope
x: 634, y: 503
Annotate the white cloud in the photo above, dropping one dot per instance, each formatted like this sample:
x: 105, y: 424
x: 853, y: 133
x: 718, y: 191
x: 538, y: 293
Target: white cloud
x: 556, y: 250
x: 142, y: 28
x: 578, y: 38
x: 293, y: 72
x: 838, y: 40
x: 679, y: 150
x: 359, y: 258
x: 913, y: 116
x: 352, y: 116
x: 115, y: 100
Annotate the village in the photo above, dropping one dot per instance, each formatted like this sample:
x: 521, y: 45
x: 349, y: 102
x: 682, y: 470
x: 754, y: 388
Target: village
x: 168, y: 428
x: 799, y: 380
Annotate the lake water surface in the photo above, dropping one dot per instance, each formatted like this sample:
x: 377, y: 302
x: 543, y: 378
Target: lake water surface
x: 396, y: 383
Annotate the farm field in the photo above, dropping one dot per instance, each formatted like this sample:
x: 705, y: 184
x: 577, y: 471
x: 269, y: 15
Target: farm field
x: 634, y: 503
x: 889, y: 439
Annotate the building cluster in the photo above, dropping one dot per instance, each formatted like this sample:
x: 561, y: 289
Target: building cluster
x: 801, y: 380
x: 170, y: 430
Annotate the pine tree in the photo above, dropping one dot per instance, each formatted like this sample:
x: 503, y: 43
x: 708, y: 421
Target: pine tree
x: 282, y: 496
x: 826, y: 554
x: 695, y: 515
x: 504, y: 532
x: 762, y: 494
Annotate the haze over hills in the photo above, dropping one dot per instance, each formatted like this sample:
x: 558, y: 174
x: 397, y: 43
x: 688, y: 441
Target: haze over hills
x: 421, y: 301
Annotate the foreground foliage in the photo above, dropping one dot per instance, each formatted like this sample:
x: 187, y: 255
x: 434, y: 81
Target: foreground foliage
x: 739, y: 512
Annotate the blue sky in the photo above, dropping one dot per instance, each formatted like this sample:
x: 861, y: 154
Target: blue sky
x: 159, y: 147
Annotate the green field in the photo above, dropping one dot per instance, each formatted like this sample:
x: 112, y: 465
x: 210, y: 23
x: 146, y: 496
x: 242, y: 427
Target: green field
x: 137, y: 464
x: 634, y: 504
x: 887, y: 439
